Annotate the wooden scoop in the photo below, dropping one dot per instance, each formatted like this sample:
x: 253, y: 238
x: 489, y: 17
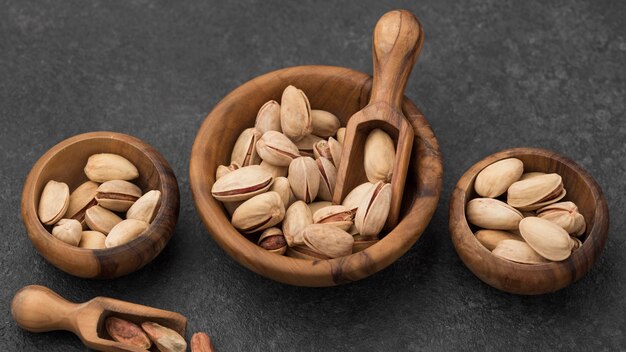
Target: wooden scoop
x: 397, y: 41
x: 39, y: 309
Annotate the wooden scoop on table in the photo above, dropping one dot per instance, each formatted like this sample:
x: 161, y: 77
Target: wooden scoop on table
x: 39, y: 309
x: 397, y: 41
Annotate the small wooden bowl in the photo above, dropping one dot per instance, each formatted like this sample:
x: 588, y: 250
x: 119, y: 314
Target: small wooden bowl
x: 512, y: 277
x: 343, y: 92
x: 65, y: 162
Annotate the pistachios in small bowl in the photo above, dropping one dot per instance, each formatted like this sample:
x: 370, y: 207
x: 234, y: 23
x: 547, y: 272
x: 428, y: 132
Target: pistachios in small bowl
x: 100, y: 204
x: 528, y: 220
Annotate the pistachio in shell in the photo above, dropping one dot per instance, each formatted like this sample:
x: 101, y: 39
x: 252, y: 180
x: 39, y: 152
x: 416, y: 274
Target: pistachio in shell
x: 492, y: 214
x: 496, y: 178
x: 124, y: 232
x: 68, y: 231
x: 315, y: 206
x: 282, y: 187
x: 297, y: 217
x: 164, y: 338
x: 335, y: 215
x: 275, y: 171
x: 81, y: 199
x: 106, y: 167
x: 295, y: 114
x: 242, y: 184
x: 268, y: 117
x: 379, y: 155
x: 341, y: 135
x: 536, y: 192
x: 373, y: 210
x: 307, y: 144
x: 566, y: 215
x: 328, y: 240
x: 325, y: 124
x: 355, y: 197
x: 548, y: 239
x: 101, y: 219
x: 117, y: 195
x: 53, y: 203
x: 259, y: 212
x: 244, y: 152
x: 146, y: 207
x: 518, y: 251
x: 275, y: 148
x: 304, y: 178
x: 273, y: 240
x: 92, y: 240
x: 328, y: 177
x: 491, y: 238
x: 223, y: 169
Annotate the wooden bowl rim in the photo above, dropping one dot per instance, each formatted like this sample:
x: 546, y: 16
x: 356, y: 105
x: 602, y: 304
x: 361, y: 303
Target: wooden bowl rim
x: 302, y: 272
x: 461, y: 232
x: 36, y: 230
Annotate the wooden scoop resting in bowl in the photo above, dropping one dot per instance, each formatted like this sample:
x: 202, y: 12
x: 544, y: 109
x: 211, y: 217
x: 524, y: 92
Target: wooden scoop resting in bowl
x: 397, y: 41
x: 39, y: 309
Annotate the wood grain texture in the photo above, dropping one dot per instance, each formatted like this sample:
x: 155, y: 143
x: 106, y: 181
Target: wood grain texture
x: 39, y: 309
x: 542, y: 278
x: 343, y: 92
x: 65, y: 162
x: 396, y: 43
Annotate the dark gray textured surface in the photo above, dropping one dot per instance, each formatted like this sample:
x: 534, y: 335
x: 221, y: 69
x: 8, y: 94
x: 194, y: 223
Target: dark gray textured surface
x: 492, y: 75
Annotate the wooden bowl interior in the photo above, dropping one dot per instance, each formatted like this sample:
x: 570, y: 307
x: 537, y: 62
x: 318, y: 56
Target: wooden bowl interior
x: 342, y: 92
x: 65, y: 162
x: 541, y: 278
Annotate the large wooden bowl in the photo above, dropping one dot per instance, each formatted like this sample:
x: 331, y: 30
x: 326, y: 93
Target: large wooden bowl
x: 343, y: 92
x: 512, y: 277
x: 65, y: 162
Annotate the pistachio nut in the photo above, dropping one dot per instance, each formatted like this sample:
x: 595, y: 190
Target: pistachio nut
x: 527, y: 175
x: 303, y: 252
x: 275, y: 171
x: 242, y: 184
x: 328, y: 176
x: 68, y: 231
x: 546, y: 238
x: 297, y: 217
x: 81, y: 199
x: 355, y: 197
x: 566, y: 215
x: 379, y: 155
x: 165, y: 339
x: 275, y: 148
x: 304, y: 178
x: 127, y: 333
x: 496, y: 178
x: 106, y: 167
x: 491, y: 238
x: 295, y: 114
x: 100, y: 219
x: 259, y: 212
x: 244, y: 152
x: 268, y: 117
x: 492, y: 214
x: 335, y: 215
x: 146, y: 207
x: 518, y: 251
x: 315, y: 206
x: 282, y: 187
x: 341, y: 135
x: 124, y: 232
x: 272, y: 240
x: 373, y: 210
x: 223, y: 169
x: 307, y: 144
x: 92, y: 240
x: 536, y: 192
x: 328, y: 240
x: 117, y: 195
x: 324, y: 123
x: 330, y: 150
x: 53, y: 203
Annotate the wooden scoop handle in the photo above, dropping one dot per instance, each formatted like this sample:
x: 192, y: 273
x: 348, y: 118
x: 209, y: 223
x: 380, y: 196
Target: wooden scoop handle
x: 397, y: 42
x: 39, y: 309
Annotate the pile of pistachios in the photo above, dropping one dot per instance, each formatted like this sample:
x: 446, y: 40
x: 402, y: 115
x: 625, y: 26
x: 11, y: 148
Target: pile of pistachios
x: 91, y: 215
x: 521, y: 216
x: 279, y: 184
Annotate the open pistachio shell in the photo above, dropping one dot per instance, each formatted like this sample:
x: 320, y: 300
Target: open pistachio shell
x: 53, y: 203
x: 268, y: 118
x: 536, y: 192
x: 566, y: 215
x: 328, y: 177
x: 81, y: 199
x: 275, y: 148
x: 244, y: 152
x: 328, y: 240
x: 335, y: 215
x: 373, y: 210
x: 259, y: 212
x: 518, y: 251
x: 117, y: 195
x: 146, y: 207
x: 242, y: 184
x: 492, y: 214
x: 491, y: 238
x: 297, y: 217
x: 304, y: 178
